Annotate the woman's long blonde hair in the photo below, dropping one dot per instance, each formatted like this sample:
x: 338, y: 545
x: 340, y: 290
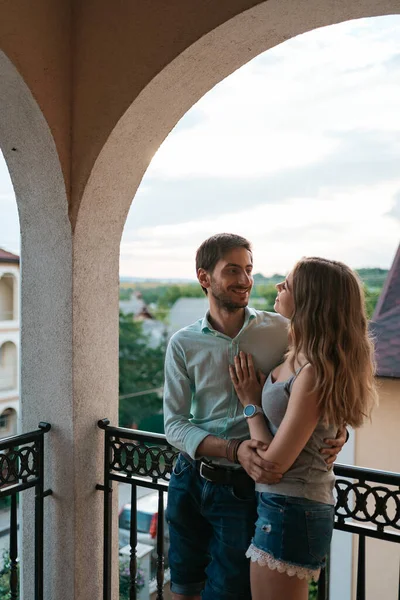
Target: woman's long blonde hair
x: 329, y: 327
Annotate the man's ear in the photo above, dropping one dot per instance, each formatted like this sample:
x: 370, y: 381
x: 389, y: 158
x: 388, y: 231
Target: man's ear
x: 204, y: 278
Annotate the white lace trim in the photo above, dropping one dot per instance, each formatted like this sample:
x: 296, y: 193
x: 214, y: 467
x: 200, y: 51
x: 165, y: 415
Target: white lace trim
x: 264, y: 559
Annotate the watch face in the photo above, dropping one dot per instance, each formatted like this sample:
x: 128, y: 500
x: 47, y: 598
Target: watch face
x: 249, y: 410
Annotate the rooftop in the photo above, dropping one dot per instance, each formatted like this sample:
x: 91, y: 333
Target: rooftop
x: 8, y: 257
x: 386, y: 324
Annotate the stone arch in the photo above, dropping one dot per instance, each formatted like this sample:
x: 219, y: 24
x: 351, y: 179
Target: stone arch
x: 138, y: 134
x: 119, y: 169
x: 143, y: 127
x: 46, y: 314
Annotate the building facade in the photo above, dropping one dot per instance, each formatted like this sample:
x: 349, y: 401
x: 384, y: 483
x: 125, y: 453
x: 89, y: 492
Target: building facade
x: 9, y: 343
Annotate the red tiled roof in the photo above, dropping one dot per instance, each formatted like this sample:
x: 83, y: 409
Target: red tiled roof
x: 385, y: 324
x: 8, y: 257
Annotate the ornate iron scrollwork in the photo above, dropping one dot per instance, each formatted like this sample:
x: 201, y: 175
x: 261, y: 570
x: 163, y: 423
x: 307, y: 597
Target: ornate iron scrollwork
x: 137, y: 458
x: 18, y: 464
x: 378, y: 505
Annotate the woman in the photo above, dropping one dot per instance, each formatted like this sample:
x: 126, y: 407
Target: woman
x: 326, y: 379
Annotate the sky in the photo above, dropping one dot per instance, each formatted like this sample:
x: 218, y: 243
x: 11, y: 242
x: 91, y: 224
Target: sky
x: 299, y: 151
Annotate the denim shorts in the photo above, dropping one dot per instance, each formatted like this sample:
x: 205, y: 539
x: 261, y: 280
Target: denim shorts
x: 292, y: 535
x: 210, y: 529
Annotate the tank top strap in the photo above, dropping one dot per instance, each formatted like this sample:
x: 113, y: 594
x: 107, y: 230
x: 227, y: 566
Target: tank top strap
x: 299, y: 370
x: 292, y: 379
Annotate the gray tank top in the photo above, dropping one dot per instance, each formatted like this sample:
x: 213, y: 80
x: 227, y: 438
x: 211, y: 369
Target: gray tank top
x: 309, y: 476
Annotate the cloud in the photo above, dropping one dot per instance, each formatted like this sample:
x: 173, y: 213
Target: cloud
x: 9, y: 220
x: 284, y: 109
x: 298, y: 150
x: 361, y: 158
x: 348, y: 224
x: 394, y: 212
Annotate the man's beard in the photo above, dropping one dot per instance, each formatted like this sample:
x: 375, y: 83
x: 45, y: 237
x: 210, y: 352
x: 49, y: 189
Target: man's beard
x: 224, y: 300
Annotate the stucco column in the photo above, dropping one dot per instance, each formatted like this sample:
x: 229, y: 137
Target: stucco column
x: 95, y: 392
x: 69, y: 353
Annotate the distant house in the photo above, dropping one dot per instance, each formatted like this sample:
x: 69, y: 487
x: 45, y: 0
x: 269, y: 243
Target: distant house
x: 9, y: 342
x: 134, y: 305
x: 377, y: 444
x: 186, y: 311
x: 154, y: 329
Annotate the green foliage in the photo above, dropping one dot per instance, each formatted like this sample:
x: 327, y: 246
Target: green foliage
x: 267, y: 292
x: 125, y: 293
x: 124, y: 579
x: 172, y: 293
x: 273, y: 280
x: 5, y: 593
x: 373, y: 278
x: 312, y: 590
x: 371, y: 299
x: 140, y: 368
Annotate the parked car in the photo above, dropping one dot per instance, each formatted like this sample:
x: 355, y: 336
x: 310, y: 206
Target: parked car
x: 147, y: 517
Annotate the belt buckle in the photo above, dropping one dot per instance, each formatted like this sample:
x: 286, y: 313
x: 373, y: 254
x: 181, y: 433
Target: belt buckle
x: 209, y: 466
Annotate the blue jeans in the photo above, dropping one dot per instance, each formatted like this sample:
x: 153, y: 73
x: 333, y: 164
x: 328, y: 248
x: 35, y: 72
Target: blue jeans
x: 210, y: 528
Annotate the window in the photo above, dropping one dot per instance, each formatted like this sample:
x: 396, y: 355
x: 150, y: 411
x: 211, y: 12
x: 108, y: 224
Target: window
x: 4, y: 421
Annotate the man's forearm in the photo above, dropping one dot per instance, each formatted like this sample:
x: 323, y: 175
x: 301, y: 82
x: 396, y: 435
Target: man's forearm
x: 212, y: 446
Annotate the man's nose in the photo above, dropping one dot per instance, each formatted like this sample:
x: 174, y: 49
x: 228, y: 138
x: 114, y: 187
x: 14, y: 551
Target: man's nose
x: 245, y: 278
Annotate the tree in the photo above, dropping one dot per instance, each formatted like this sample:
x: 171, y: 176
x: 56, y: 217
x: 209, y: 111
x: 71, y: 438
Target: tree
x: 268, y: 292
x: 141, y: 368
x: 371, y: 299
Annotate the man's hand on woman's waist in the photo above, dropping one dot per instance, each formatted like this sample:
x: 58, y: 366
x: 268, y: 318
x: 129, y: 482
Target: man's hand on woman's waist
x: 260, y: 470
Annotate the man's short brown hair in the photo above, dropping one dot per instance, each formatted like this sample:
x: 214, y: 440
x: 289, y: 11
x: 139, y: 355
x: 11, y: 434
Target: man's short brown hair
x: 215, y: 248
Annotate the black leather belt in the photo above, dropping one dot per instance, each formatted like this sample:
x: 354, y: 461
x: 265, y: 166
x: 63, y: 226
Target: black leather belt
x: 219, y: 474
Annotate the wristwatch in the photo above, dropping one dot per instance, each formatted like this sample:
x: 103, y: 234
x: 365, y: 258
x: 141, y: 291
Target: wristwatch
x: 250, y: 410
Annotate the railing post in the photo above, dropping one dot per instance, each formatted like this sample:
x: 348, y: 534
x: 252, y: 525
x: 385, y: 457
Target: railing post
x: 323, y: 583
x: 398, y: 590
x: 107, y: 523
x: 13, y: 549
x: 22, y: 468
x: 39, y: 489
x: 160, y: 546
x: 39, y: 506
x: 361, y: 568
x: 130, y: 460
x: 133, y: 544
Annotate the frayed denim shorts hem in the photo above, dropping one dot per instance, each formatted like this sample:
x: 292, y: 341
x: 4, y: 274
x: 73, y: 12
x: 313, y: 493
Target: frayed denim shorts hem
x: 292, y: 535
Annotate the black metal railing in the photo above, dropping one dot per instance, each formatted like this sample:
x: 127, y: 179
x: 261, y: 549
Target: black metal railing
x: 22, y: 468
x: 137, y: 458
x: 368, y: 501
x: 367, y: 505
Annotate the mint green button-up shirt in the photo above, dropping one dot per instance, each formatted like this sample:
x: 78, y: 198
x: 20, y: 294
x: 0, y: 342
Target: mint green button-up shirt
x: 199, y: 398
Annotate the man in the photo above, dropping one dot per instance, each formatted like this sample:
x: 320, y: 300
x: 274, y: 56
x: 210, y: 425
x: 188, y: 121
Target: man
x: 211, y: 500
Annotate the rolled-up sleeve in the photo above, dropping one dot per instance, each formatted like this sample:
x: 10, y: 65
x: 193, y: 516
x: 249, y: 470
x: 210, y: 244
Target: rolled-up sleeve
x: 178, y: 393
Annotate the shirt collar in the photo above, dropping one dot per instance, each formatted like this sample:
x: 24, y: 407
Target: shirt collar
x: 249, y: 314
